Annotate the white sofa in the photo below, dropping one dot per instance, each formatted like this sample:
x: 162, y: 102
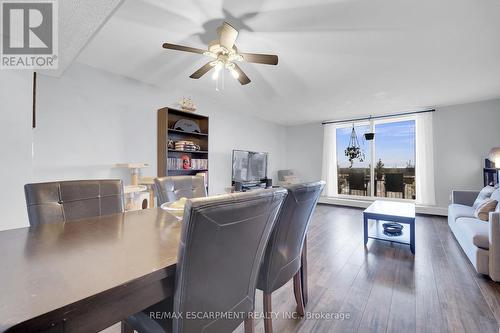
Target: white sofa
x: 480, y: 240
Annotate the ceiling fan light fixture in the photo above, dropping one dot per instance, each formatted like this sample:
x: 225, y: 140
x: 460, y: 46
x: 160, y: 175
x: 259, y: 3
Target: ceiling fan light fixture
x: 234, y: 73
x: 218, y: 67
x: 225, y: 54
x: 215, y: 75
x: 210, y: 54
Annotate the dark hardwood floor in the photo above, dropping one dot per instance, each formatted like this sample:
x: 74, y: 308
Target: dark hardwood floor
x: 384, y: 288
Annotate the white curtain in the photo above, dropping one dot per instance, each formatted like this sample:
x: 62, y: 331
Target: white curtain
x: 424, y: 164
x: 329, y: 172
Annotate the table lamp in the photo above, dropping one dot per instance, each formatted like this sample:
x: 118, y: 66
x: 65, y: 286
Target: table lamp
x: 494, y: 156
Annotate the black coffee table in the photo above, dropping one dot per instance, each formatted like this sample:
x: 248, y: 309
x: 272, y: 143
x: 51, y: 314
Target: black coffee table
x: 382, y: 211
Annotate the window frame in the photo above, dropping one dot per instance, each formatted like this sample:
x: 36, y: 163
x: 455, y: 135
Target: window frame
x: 372, y: 123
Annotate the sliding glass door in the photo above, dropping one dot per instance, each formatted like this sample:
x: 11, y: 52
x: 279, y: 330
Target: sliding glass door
x: 386, y: 167
x: 354, y: 178
x: 395, y: 159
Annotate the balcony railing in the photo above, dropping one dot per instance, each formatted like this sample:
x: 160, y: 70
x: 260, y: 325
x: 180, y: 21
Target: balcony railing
x: 389, y: 183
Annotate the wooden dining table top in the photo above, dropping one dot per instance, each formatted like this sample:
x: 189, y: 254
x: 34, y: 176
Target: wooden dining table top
x: 53, y: 266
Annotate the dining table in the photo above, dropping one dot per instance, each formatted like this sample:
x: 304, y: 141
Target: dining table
x: 87, y: 274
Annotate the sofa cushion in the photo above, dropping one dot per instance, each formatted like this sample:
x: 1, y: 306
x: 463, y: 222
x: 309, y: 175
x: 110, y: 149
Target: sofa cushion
x: 476, y: 230
x: 483, y: 195
x: 482, y: 211
x: 456, y: 210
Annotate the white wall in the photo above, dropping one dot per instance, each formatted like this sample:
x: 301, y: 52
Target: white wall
x: 463, y: 136
x: 15, y: 145
x: 89, y: 119
x: 304, y: 150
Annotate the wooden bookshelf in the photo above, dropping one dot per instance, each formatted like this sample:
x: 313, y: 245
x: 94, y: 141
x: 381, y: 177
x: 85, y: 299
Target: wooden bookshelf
x: 167, y: 117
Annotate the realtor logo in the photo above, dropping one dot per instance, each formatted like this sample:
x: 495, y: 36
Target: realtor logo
x: 29, y: 34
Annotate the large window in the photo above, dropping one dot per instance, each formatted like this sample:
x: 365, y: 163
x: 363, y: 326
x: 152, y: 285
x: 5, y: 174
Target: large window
x: 387, y: 165
x: 353, y: 179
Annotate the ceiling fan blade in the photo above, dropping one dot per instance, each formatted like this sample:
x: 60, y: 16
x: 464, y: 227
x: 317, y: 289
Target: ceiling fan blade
x: 227, y: 35
x: 242, y: 77
x: 182, y: 48
x: 202, y: 71
x: 267, y: 59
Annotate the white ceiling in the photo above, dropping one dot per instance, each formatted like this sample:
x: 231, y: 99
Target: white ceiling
x: 78, y: 21
x: 337, y: 59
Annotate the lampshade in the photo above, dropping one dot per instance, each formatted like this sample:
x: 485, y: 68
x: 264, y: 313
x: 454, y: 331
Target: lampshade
x: 494, y: 156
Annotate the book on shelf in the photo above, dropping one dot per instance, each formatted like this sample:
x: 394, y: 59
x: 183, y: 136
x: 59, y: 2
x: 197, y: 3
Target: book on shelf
x: 195, y: 164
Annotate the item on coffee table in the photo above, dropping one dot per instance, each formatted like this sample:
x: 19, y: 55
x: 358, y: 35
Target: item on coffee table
x: 392, y: 229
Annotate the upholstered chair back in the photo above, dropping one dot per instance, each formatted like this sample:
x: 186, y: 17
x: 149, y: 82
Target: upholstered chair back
x: 172, y: 188
x: 282, y: 258
x: 72, y: 200
x: 222, y: 244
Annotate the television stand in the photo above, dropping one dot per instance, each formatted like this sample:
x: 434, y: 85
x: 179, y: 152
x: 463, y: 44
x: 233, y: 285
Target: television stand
x: 254, y: 185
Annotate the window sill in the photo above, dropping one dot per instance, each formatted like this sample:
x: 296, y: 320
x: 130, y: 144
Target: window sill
x: 360, y: 202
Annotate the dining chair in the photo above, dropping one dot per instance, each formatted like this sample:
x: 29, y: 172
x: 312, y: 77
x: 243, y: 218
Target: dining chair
x: 172, y: 188
x: 394, y: 182
x: 223, y: 240
x: 285, y: 257
x: 71, y: 200
x: 357, y: 182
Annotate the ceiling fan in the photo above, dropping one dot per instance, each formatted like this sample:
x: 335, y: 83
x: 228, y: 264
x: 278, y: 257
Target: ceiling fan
x: 225, y: 55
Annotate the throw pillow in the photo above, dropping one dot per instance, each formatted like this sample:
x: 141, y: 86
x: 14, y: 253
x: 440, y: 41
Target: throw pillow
x: 482, y: 211
x: 483, y: 195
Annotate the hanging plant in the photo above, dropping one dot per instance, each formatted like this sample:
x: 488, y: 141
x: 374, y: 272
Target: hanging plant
x: 353, y: 150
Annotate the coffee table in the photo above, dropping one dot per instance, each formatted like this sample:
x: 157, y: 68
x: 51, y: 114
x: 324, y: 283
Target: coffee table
x: 390, y: 211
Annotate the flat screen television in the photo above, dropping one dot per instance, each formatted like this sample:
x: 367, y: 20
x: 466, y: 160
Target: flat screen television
x: 249, y: 166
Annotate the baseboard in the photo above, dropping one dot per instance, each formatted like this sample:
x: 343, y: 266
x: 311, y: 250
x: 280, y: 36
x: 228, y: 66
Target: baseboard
x: 420, y: 209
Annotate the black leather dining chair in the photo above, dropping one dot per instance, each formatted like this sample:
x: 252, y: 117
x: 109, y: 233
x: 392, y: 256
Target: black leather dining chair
x: 71, y: 200
x: 284, y: 258
x: 223, y: 240
x: 394, y: 182
x: 357, y: 182
x: 172, y: 188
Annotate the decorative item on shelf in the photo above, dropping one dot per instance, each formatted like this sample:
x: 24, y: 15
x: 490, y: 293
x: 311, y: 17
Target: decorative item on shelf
x: 392, y: 229
x: 187, y: 125
x: 187, y: 104
x: 353, y: 150
x: 171, y: 144
x: 186, y: 162
x: 186, y: 146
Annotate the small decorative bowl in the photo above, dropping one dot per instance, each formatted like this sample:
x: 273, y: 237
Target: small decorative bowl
x: 176, y: 208
x: 393, y: 229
